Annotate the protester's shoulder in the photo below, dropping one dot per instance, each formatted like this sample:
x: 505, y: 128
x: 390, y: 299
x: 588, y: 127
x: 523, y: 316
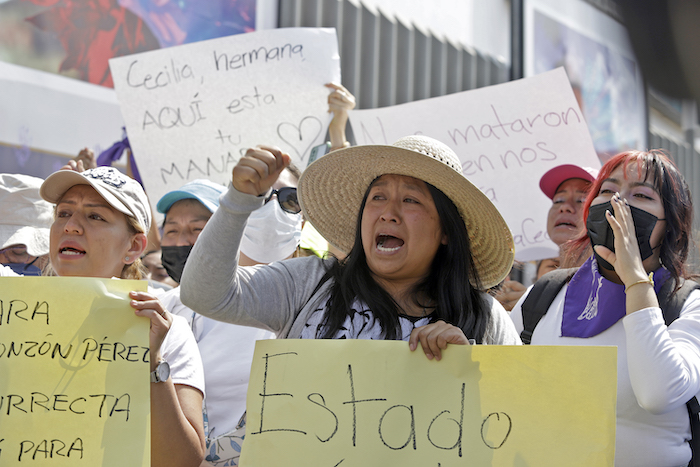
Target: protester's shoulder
x: 179, y: 335
x: 310, y: 263
x: 169, y: 298
x: 180, y: 326
x: 692, y: 303
x: 501, y: 330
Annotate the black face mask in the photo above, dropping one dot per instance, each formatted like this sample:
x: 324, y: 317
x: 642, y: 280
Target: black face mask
x: 600, y: 232
x: 174, y: 259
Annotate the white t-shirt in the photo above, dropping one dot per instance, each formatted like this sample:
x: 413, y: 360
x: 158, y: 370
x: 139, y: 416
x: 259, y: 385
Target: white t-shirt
x: 227, y: 354
x: 180, y: 350
x: 6, y: 271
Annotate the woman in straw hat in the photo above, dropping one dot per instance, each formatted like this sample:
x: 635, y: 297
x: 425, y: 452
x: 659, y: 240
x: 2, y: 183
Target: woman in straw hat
x: 422, y: 241
x: 99, y: 231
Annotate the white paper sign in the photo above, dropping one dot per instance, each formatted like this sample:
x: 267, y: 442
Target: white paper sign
x: 192, y: 111
x: 507, y: 136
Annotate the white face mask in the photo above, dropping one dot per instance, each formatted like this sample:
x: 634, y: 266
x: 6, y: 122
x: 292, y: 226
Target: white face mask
x: 271, y: 234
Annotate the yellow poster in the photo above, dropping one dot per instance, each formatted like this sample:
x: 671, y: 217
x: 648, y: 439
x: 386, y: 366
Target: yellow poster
x: 74, y: 386
x: 347, y: 403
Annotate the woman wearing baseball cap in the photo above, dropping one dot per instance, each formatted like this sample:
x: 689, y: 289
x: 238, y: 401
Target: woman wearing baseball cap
x: 423, y: 244
x: 99, y: 231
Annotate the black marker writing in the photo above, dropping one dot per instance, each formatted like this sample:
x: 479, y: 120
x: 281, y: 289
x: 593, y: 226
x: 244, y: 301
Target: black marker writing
x: 354, y: 403
x: 165, y: 76
x: 17, y: 309
x: 323, y: 405
x: 258, y: 56
x: 265, y: 394
x: 50, y: 449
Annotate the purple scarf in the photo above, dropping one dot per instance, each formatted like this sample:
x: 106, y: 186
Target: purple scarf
x: 592, y: 303
x: 114, y: 153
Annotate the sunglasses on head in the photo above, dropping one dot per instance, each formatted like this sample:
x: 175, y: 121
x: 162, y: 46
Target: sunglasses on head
x: 287, y: 197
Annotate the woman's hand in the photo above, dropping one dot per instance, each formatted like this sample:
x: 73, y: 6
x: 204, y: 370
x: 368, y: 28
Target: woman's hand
x: 340, y: 100
x: 626, y: 259
x: 150, y: 307
x: 259, y: 169
x: 84, y: 160
x: 509, y: 293
x: 434, y: 338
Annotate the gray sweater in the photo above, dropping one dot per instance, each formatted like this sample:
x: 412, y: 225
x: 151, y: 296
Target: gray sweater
x: 276, y: 297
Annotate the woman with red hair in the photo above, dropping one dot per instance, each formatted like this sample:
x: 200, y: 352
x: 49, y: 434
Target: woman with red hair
x: 638, y: 217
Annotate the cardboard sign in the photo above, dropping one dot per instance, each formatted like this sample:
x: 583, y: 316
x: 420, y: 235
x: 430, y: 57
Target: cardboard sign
x: 506, y: 136
x: 358, y: 402
x: 192, y: 111
x: 74, y: 363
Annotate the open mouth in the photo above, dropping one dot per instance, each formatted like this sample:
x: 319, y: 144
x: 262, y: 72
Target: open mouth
x: 71, y: 251
x: 565, y: 224
x: 388, y: 243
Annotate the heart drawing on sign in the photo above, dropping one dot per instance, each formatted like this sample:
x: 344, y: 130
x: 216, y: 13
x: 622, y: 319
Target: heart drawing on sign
x: 300, y: 138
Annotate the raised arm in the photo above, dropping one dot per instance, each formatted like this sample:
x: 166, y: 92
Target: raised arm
x: 264, y: 296
x: 340, y: 101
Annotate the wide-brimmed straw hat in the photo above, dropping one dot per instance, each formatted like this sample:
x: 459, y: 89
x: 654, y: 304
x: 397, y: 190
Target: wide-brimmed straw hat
x: 331, y: 191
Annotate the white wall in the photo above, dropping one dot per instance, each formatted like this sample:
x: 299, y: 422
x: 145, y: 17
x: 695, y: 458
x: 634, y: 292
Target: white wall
x: 483, y: 24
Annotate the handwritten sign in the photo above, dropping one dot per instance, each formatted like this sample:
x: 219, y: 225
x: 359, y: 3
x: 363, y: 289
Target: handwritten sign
x: 191, y: 111
x: 357, y: 403
x: 506, y: 136
x: 74, y: 363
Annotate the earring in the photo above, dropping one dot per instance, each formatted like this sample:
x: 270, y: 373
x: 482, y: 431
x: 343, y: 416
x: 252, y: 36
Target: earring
x: 126, y: 258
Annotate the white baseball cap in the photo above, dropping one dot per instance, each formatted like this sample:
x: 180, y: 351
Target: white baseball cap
x: 25, y: 218
x: 121, y: 192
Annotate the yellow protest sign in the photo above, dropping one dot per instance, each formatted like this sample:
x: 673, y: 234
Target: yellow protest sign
x: 74, y: 387
x: 357, y: 403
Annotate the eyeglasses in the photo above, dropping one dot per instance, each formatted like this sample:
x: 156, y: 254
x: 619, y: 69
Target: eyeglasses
x: 287, y: 197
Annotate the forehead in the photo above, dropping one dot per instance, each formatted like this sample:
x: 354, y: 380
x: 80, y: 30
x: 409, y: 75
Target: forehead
x: 574, y: 184
x: 404, y: 180
x: 634, y: 172
x: 286, y: 178
x: 189, y: 208
x: 86, y: 193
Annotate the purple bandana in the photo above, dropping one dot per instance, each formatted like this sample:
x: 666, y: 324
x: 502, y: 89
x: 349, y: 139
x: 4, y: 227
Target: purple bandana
x: 592, y: 303
x: 115, y: 152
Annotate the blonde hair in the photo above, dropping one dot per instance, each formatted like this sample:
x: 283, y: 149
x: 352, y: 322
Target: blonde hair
x: 135, y: 270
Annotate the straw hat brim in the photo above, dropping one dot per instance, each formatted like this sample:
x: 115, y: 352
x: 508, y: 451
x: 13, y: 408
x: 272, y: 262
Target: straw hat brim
x: 331, y: 191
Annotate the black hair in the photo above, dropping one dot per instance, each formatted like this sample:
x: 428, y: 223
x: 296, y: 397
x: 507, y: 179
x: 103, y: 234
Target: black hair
x: 452, y: 284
